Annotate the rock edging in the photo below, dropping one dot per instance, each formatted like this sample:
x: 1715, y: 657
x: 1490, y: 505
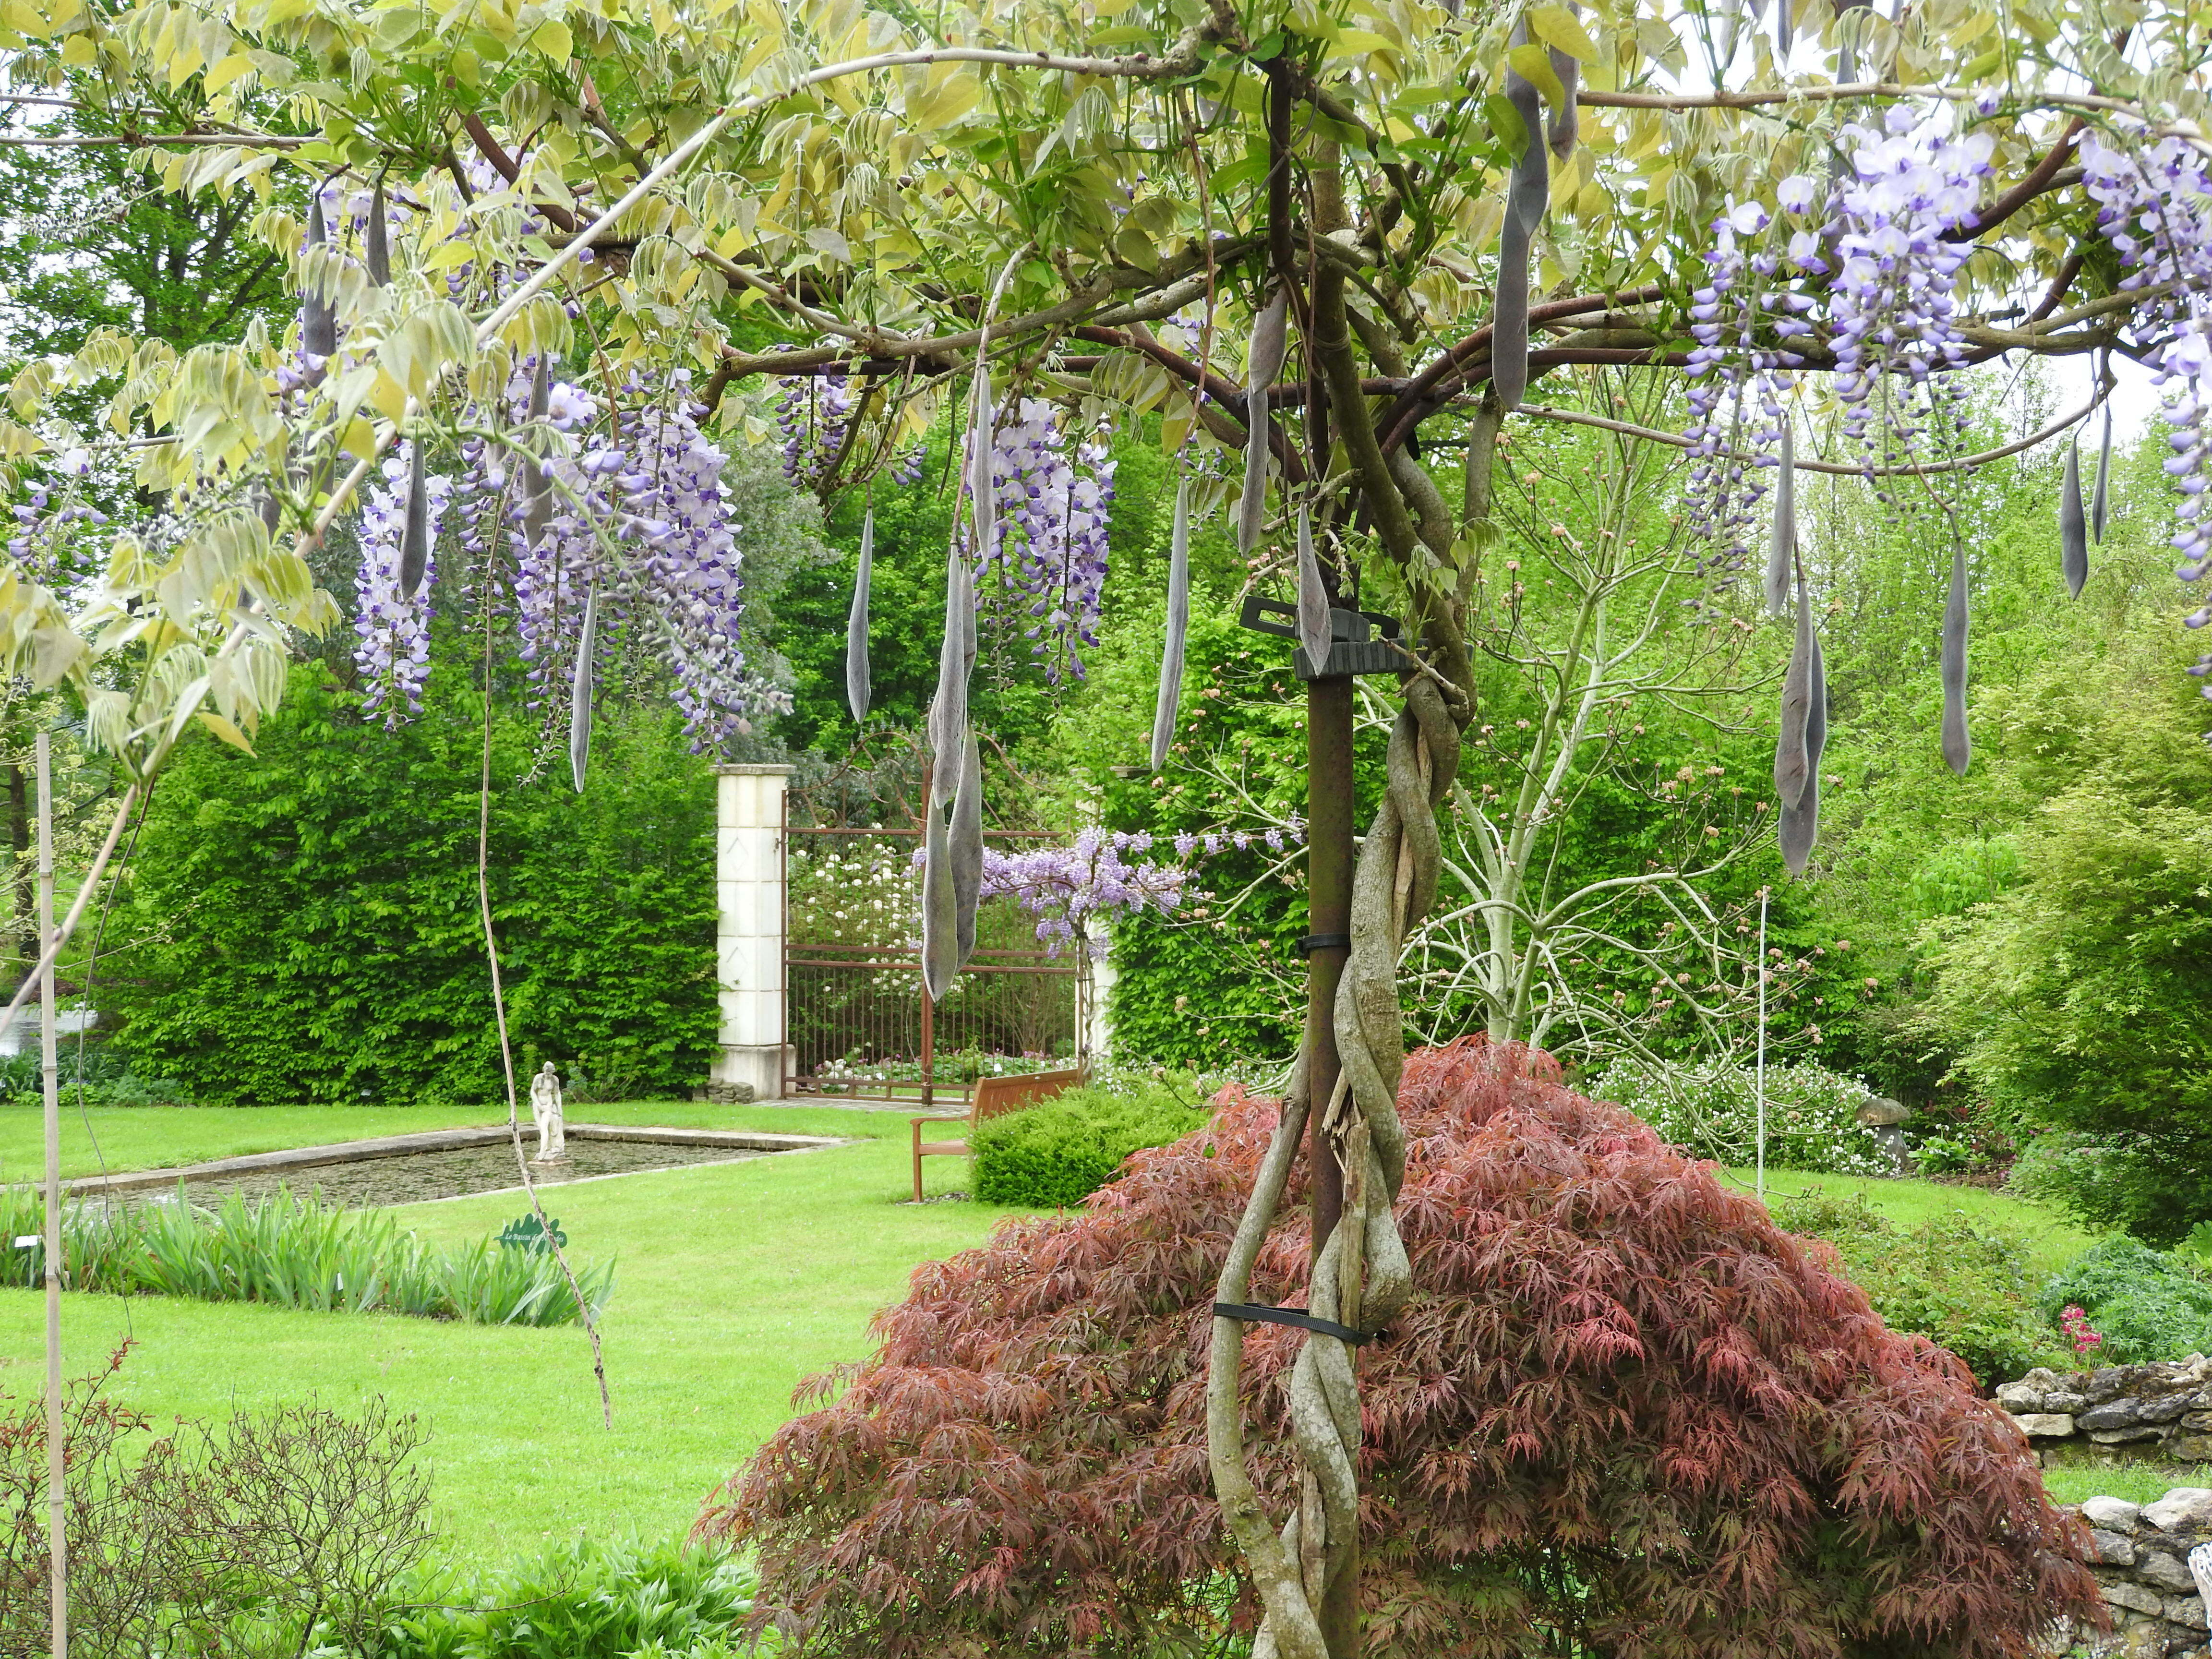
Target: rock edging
x: 2167, y: 1402
x: 2141, y: 1564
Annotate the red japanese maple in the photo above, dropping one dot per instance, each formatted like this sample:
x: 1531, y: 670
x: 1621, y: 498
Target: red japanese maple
x: 1629, y: 1416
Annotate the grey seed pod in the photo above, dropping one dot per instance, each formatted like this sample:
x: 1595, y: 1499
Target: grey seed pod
x: 948, y: 708
x: 581, y: 688
x: 1784, y: 34
x: 2073, y: 523
x: 270, y: 509
x: 2104, y: 480
x: 1792, y: 760
x: 1313, y: 621
x: 1508, y: 327
x: 965, y: 847
x: 1800, y: 826
x: 1252, y: 505
x: 376, y: 252
x: 1270, y: 330
x: 1784, y: 547
x: 940, y: 919
x: 1566, y: 120
x: 1958, y: 745
x: 983, y: 500
x: 318, y: 325
x: 415, y: 535
x: 1178, y: 629
x: 537, y: 488
x: 856, y: 625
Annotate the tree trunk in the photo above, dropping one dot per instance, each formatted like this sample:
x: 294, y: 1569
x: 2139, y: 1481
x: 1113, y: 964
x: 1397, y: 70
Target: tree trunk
x: 19, y: 889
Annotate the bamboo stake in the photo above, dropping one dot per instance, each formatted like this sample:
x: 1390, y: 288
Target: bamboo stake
x: 57, y: 1490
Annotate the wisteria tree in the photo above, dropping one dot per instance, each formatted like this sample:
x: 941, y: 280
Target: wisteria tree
x: 555, y: 253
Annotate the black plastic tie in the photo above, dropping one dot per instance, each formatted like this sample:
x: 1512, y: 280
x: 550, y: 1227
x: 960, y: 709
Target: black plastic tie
x: 1312, y: 942
x: 1256, y: 1314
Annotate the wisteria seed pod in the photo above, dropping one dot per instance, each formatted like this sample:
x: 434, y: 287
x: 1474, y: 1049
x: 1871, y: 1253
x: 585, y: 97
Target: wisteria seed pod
x: 415, y: 539
x: 1252, y: 504
x: 537, y: 488
x: 948, y: 707
x: 2073, y: 524
x: 1783, y: 33
x: 983, y: 500
x: 1271, y: 331
x: 318, y: 325
x: 376, y: 252
x: 1799, y: 830
x: 940, y: 920
x: 1566, y: 121
x: 1957, y: 744
x: 270, y: 509
x: 1313, y: 621
x: 1784, y: 546
x: 2097, y: 508
x: 581, y: 688
x: 965, y: 847
x: 856, y: 625
x: 1509, y: 329
x: 1791, y: 758
x: 1178, y: 629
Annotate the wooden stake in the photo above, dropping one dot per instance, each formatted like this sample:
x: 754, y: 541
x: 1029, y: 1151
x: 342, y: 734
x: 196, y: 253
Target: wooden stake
x: 56, y: 1489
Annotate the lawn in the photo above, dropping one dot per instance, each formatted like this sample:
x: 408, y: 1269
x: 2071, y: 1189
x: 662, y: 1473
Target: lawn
x: 2051, y: 1240
x: 736, y: 1281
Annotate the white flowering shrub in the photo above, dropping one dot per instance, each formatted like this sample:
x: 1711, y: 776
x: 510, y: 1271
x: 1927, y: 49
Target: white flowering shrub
x: 1712, y: 1110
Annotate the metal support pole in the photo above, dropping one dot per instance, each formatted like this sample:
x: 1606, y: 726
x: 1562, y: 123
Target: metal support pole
x: 56, y: 1487
x: 1759, y: 1082
x: 1328, y: 911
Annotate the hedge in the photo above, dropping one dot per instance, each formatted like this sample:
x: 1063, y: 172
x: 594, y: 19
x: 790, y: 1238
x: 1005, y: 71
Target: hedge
x: 1055, y: 1155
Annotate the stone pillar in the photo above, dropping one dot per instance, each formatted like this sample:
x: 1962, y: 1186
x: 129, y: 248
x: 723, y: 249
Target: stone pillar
x: 749, y: 805
x: 1096, y: 1033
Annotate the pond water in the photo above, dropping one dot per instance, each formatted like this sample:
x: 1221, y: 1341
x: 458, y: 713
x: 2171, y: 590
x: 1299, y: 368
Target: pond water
x: 455, y: 1172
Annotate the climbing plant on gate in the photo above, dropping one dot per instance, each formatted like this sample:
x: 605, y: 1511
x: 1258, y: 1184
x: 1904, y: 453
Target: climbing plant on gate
x: 1315, y: 242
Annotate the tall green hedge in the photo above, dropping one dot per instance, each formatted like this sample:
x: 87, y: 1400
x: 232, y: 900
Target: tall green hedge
x: 307, y: 919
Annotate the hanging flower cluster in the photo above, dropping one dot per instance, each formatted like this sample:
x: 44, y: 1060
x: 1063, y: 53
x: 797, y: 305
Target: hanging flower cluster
x: 1064, y: 887
x: 44, y: 545
x: 393, y: 630
x: 811, y: 411
x: 2154, y: 206
x: 1048, y: 548
x: 1737, y: 383
x: 1893, y: 305
x: 631, y: 503
x: 1863, y: 260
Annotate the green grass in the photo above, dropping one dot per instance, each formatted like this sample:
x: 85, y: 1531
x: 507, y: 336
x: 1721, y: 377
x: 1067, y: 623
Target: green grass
x: 2138, y: 1480
x: 736, y: 1281
x: 160, y: 1137
x: 2052, y: 1241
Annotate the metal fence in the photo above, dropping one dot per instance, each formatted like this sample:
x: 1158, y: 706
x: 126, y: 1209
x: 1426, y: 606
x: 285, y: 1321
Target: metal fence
x: 859, y: 1025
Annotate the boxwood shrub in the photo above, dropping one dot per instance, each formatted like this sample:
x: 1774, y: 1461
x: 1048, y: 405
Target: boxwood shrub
x: 1057, y: 1154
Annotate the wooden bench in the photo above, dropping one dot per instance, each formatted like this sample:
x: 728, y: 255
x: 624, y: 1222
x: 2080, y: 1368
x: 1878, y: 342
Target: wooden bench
x: 992, y: 1096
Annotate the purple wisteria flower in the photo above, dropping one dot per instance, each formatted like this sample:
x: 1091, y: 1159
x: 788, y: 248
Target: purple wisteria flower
x: 2154, y: 206
x: 1065, y: 886
x: 811, y: 411
x: 1049, y: 550
x: 394, y: 631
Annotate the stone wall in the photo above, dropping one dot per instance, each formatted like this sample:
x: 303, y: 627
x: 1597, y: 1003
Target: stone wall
x: 2163, y: 1408
x: 2142, y: 1564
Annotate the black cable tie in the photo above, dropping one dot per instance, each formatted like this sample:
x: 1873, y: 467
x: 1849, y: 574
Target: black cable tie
x: 1254, y: 1314
x: 1312, y: 942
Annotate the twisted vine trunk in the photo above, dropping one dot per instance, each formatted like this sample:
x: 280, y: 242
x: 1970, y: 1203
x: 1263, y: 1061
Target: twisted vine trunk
x: 1304, y: 1565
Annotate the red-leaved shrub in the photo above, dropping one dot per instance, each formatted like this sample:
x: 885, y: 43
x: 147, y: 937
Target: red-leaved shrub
x: 1626, y: 1416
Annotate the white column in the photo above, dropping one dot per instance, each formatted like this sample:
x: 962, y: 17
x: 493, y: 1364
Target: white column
x: 749, y: 931
x: 1096, y: 1036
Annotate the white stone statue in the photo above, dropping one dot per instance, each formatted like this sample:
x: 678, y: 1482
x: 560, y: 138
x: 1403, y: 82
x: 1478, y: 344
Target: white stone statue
x: 545, y: 1112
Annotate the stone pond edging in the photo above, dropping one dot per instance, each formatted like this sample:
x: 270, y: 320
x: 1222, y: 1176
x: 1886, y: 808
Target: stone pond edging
x: 435, y: 1141
x: 2142, y: 1564
x: 2168, y: 1402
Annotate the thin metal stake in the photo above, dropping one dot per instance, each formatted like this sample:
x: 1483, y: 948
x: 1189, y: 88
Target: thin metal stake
x: 1760, y: 1085
x: 57, y: 1490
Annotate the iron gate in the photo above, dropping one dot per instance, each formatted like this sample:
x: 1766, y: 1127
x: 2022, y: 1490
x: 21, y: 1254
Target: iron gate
x: 858, y: 1022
